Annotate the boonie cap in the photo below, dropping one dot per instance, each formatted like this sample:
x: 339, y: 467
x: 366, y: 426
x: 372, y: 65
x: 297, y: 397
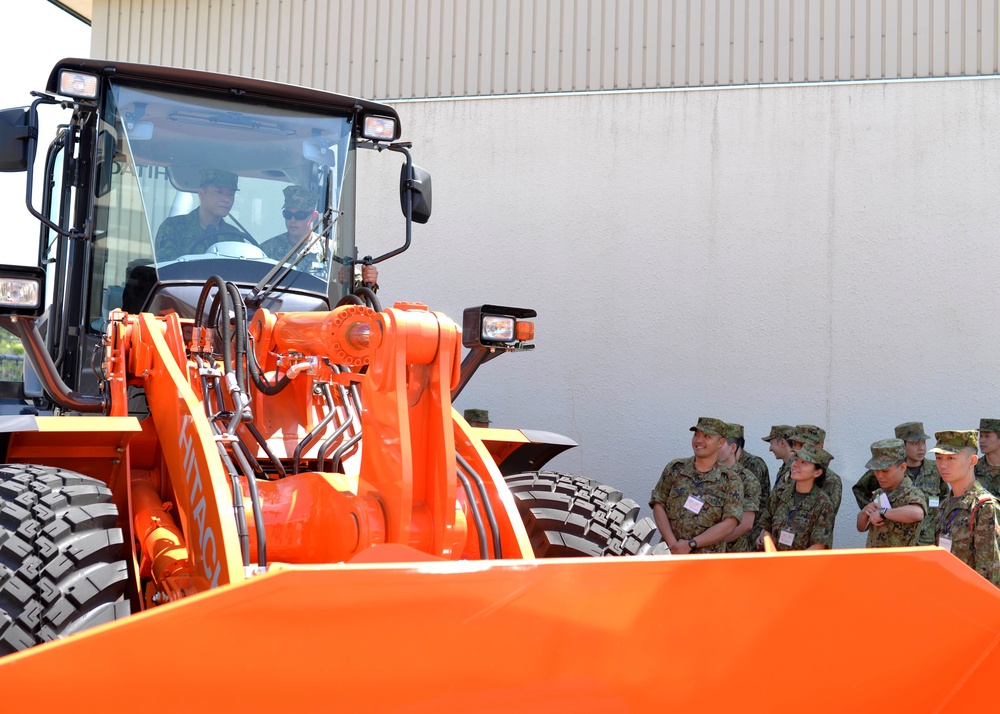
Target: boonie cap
x: 815, y: 455
x: 886, y: 453
x: 733, y: 431
x: 219, y: 177
x: 952, y: 442
x: 808, y: 434
x: 708, y: 425
x: 477, y: 415
x: 300, y: 198
x: 778, y: 431
x: 911, y: 431
x: 989, y: 425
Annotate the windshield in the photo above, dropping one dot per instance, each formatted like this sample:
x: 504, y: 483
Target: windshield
x: 189, y: 186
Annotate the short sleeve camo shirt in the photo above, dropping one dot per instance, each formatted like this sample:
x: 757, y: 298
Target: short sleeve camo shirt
x: 719, y: 489
x: 808, y: 523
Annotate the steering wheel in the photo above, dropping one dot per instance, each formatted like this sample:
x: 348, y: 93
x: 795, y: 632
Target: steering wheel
x: 229, y: 233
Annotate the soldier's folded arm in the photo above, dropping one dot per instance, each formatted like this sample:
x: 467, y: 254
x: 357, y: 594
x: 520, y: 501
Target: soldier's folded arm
x: 911, y: 513
x: 745, y: 526
x: 720, y: 530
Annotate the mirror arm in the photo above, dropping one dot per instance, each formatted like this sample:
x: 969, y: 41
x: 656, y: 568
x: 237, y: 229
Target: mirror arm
x: 402, y: 148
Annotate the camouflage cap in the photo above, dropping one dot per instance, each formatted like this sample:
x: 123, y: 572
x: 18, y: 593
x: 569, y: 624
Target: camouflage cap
x: 733, y: 431
x: 300, y: 198
x: 477, y: 415
x: 708, y: 425
x: 911, y: 431
x: 219, y: 177
x: 808, y: 434
x: 989, y: 425
x: 951, y: 442
x: 779, y: 431
x: 886, y: 453
x: 815, y: 455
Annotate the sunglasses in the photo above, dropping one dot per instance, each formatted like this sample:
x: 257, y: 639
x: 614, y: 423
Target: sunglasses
x: 297, y: 215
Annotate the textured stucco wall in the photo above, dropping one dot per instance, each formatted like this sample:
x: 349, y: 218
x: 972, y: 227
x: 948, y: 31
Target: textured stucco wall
x: 823, y: 254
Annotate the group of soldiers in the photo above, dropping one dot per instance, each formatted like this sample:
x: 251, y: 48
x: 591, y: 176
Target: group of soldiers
x: 722, y: 500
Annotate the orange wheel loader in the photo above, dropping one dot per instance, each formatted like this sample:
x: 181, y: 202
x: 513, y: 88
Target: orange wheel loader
x: 233, y: 480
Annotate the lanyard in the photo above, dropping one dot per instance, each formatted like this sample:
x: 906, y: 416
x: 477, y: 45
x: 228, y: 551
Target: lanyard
x: 791, y: 514
x: 947, y: 525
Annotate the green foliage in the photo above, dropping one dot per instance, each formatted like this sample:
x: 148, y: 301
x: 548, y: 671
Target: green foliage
x: 11, y: 357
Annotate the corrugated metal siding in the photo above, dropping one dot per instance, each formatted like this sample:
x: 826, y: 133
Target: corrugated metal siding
x: 395, y: 49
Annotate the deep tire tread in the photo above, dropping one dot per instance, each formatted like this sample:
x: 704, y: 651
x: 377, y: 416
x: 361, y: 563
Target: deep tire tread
x: 61, y: 556
x: 571, y: 516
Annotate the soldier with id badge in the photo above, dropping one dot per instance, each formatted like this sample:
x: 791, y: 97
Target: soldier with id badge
x: 802, y: 516
x: 894, y: 515
x: 968, y: 523
x: 698, y: 502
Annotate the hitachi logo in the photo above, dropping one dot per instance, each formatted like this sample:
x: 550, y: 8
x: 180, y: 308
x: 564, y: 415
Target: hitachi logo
x: 192, y: 476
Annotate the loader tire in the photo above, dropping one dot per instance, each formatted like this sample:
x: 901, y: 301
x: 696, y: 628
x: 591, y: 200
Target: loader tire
x: 570, y: 516
x: 61, y: 556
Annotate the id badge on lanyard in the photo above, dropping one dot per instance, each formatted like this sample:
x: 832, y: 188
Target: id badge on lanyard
x: 694, y: 504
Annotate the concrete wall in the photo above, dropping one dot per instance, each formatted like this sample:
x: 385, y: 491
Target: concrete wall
x: 823, y: 254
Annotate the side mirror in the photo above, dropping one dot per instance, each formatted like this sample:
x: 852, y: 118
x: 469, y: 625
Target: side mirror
x: 420, y: 189
x: 106, y: 147
x: 15, y: 130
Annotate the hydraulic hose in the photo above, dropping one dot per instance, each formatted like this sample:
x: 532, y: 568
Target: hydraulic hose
x: 473, y: 506
x: 370, y: 298
x: 487, y: 504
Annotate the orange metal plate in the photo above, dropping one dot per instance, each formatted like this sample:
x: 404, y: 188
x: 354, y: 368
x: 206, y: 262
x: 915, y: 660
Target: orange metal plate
x: 783, y: 632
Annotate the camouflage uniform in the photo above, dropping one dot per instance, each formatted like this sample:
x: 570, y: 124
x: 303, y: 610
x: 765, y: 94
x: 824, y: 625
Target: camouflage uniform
x: 988, y: 476
x: 978, y: 547
x: 969, y: 525
x: 719, y: 488
x: 277, y: 248
x: 833, y: 486
x: 184, y: 235
x: 810, y: 518
x: 756, y: 466
x: 892, y: 534
x: 926, y: 478
x: 751, y: 502
x: 811, y: 521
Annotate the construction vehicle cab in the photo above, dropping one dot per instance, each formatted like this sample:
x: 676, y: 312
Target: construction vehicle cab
x: 129, y: 166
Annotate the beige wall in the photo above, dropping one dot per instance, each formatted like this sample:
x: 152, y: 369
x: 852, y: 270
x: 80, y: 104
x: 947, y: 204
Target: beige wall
x: 383, y: 49
x: 823, y: 254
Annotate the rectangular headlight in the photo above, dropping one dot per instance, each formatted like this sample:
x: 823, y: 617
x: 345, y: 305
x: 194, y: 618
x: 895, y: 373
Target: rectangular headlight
x: 79, y: 85
x: 497, y: 329
x: 22, y: 290
x: 379, y: 128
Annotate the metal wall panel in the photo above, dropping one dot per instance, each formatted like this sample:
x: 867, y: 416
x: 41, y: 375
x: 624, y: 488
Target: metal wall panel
x: 400, y: 49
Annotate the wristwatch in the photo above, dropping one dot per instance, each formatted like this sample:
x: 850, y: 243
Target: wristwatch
x: 693, y: 545
x: 882, y: 512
